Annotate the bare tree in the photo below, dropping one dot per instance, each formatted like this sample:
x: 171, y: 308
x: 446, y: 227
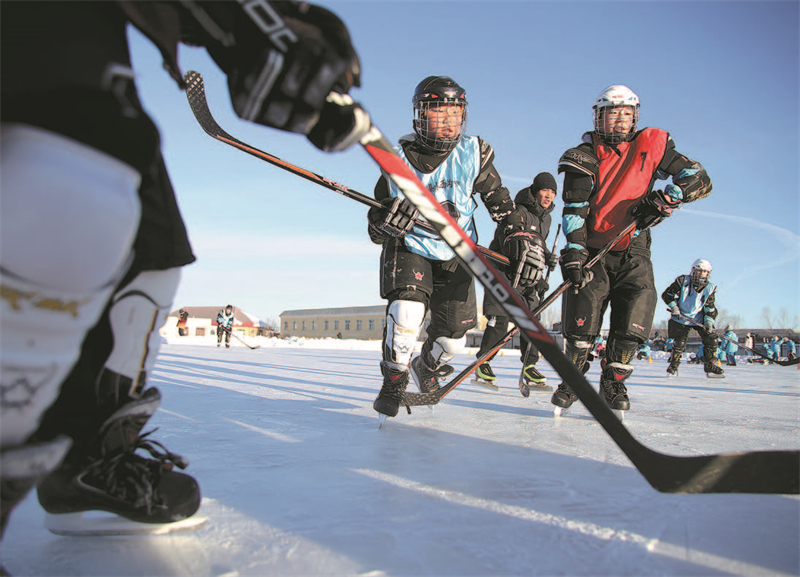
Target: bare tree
x: 725, y: 319
x: 766, y: 316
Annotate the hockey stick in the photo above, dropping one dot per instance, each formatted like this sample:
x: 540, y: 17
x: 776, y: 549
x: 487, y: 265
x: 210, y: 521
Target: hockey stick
x: 786, y: 363
x: 251, y: 347
x: 195, y: 92
x: 743, y: 472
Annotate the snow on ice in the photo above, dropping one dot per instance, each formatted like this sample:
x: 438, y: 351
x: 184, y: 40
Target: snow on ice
x: 298, y: 479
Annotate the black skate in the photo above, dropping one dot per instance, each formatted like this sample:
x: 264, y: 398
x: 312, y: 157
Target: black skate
x: 531, y: 379
x: 713, y: 371
x: 144, y: 494
x: 672, y: 370
x: 563, y: 399
x: 427, y: 380
x: 612, y: 387
x: 485, y: 376
x: 387, y: 403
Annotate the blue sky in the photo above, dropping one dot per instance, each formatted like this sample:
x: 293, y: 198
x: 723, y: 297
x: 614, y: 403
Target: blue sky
x: 722, y: 77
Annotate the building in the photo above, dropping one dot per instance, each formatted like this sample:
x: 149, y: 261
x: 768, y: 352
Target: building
x: 202, y: 321
x: 363, y: 323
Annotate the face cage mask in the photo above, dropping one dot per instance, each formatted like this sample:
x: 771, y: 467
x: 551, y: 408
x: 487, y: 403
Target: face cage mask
x: 427, y: 137
x: 699, y: 282
x: 613, y: 137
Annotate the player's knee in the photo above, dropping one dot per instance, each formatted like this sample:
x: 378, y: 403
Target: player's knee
x: 403, y: 324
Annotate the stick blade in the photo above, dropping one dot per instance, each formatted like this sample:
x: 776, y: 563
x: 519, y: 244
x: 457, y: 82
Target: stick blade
x: 764, y: 472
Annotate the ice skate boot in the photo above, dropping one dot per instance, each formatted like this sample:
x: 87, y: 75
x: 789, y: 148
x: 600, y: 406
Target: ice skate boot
x: 713, y: 371
x: 672, y: 370
x: 427, y: 379
x: 531, y: 379
x: 485, y: 376
x: 612, y: 387
x: 144, y: 494
x: 563, y: 399
x: 395, y: 381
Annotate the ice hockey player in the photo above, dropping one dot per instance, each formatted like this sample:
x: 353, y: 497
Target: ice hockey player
x: 534, y: 204
x: 691, y: 299
x: 607, y: 186
x: 791, y: 348
x: 419, y: 272
x: 225, y: 325
x: 729, y: 347
x: 86, y: 289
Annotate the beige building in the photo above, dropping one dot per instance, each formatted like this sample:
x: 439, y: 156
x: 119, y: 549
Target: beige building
x: 364, y: 323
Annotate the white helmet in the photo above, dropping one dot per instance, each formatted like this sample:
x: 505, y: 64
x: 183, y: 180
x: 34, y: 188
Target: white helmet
x: 699, y: 281
x: 615, y: 96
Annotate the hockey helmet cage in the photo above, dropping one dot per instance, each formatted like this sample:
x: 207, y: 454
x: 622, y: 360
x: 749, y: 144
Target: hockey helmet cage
x: 431, y: 93
x: 614, y: 97
x: 699, y: 280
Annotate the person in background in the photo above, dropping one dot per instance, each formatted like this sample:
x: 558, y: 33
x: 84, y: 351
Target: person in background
x: 791, y: 348
x: 729, y: 347
x: 225, y: 325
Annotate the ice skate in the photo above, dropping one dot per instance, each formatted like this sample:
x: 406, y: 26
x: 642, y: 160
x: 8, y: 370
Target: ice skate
x: 563, y: 399
x: 387, y: 403
x: 426, y: 379
x: 143, y: 494
x: 713, y: 371
x: 613, y: 389
x: 672, y: 370
x: 485, y: 376
x: 531, y: 379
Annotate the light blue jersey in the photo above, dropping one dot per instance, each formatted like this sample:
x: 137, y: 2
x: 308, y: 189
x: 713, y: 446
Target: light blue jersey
x: 451, y: 183
x: 692, y: 303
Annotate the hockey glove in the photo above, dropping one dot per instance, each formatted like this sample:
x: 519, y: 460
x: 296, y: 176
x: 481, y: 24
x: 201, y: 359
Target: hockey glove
x: 525, y: 252
x: 395, y: 217
x: 572, y: 269
x: 282, y: 60
x: 656, y: 206
x: 674, y: 310
x: 342, y: 123
x: 552, y: 260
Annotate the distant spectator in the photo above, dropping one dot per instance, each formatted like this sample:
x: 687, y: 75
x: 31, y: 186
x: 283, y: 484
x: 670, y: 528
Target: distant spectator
x: 791, y: 348
x: 729, y: 347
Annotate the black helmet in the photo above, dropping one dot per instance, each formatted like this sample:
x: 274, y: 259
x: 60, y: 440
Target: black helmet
x: 432, y: 92
x: 229, y: 307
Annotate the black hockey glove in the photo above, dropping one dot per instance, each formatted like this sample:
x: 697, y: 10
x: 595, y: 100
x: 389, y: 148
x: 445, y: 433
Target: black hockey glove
x: 282, y: 62
x: 654, y: 208
x: 552, y: 260
x: 342, y: 123
x: 395, y: 217
x: 572, y: 269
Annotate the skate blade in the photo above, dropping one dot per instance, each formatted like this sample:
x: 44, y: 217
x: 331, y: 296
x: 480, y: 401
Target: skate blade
x: 560, y: 411
x: 713, y: 376
x: 619, y: 414
x: 101, y: 523
x: 381, y: 420
x: 542, y: 387
x: 487, y: 384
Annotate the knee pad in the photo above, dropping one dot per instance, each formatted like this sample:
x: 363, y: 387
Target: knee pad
x: 57, y: 276
x: 443, y: 349
x: 403, y: 324
x: 137, y: 311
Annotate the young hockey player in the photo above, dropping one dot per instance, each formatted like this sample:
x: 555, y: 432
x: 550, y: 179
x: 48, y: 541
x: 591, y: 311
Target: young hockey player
x: 225, y: 325
x: 419, y: 272
x: 607, y: 186
x: 86, y: 289
x: 729, y: 347
x: 690, y: 299
x: 534, y: 203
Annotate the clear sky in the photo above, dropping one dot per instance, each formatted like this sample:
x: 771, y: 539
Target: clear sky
x: 722, y: 77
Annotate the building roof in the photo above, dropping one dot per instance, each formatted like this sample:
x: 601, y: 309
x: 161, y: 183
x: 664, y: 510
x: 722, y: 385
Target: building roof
x: 371, y: 310
x: 240, y: 317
